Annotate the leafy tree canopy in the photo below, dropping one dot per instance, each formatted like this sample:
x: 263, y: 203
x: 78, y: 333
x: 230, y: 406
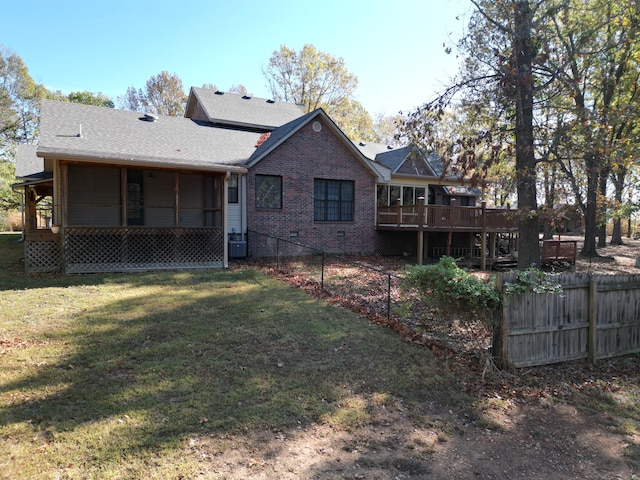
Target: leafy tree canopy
x: 19, y: 102
x: 163, y: 95
x: 9, y: 200
x: 314, y: 79
x: 88, y: 98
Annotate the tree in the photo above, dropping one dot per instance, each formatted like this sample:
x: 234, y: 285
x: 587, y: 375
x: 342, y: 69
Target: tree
x: 239, y: 89
x: 314, y: 79
x: 19, y: 111
x: 591, y: 49
x: 386, y: 128
x: 88, y: 98
x: 354, y: 120
x: 163, y: 95
x: 525, y: 156
x: 578, y: 59
x: 19, y: 103
x: 9, y: 199
x: 495, y: 100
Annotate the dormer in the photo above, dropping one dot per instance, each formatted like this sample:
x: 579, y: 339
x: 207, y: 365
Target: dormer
x: 242, y: 112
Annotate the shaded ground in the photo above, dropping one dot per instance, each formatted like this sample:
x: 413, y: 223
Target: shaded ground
x: 571, y: 421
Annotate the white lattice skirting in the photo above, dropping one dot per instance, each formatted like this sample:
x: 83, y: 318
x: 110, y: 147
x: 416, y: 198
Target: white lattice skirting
x: 42, y: 256
x: 135, y: 249
x: 89, y: 250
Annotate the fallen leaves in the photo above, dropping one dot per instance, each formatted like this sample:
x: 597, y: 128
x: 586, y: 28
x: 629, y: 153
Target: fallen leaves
x: 461, y: 347
x: 7, y: 344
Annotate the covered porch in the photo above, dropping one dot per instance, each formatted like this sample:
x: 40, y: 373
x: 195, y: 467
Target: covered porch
x: 93, y: 218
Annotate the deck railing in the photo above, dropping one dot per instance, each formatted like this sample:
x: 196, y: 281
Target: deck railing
x: 446, y: 217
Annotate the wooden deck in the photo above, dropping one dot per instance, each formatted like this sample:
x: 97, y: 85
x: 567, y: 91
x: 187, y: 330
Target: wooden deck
x: 446, y: 218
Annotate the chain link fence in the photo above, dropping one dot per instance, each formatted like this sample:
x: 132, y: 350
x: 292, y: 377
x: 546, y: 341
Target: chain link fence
x: 372, y: 285
x: 369, y: 287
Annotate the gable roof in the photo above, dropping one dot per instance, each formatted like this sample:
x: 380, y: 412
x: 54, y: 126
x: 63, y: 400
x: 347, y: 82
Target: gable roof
x: 279, y: 135
x: 89, y: 133
x: 241, y: 111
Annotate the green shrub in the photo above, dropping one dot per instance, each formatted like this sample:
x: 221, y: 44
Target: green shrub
x: 533, y: 280
x: 453, y: 291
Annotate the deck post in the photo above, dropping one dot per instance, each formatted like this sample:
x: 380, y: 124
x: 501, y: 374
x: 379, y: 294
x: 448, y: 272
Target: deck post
x: 421, y: 230
x: 483, y: 238
x: 452, y: 212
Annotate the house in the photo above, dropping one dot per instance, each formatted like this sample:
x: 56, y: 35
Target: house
x: 112, y: 190
x: 129, y: 191
x: 422, y: 211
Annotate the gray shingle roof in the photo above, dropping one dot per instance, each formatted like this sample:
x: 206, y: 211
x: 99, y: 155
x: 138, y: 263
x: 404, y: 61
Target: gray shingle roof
x: 245, y: 111
x: 125, y: 137
x: 370, y: 150
x: 28, y: 165
x: 280, y: 134
x: 393, y: 159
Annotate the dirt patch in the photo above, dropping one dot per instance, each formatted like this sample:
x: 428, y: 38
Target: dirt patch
x: 569, y: 421
x: 524, y: 441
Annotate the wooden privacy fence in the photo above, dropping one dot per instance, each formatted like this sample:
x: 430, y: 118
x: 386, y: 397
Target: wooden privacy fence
x: 597, y: 316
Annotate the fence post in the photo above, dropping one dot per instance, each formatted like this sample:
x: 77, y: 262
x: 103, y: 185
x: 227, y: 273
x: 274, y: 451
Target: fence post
x: 277, y: 254
x: 593, y: 321
x: 501, y: 330
x: 322, y: 272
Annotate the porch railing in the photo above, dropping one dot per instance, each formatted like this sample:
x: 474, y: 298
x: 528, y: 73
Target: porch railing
x: 446, y: 217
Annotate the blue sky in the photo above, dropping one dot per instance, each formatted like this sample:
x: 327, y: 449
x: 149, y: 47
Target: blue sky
x: 394, y: 47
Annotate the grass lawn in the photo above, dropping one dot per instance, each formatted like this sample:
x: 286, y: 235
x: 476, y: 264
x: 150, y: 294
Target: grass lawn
x: 109, y: 376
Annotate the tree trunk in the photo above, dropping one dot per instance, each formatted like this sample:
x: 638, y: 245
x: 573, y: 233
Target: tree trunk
x: 551, y: 224
x: 602, y: 210
x: 528, y: 230
x: 616, y: 235
x: 619, y: 181
x: 591, y: 210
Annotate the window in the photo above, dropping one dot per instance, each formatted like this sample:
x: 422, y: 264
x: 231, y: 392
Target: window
x: 383, y: 195
x: 333, y: 200
x: 268, y: 191
x: 232, y: 188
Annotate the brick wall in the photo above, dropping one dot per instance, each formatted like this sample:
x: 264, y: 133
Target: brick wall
x: 301, y: 158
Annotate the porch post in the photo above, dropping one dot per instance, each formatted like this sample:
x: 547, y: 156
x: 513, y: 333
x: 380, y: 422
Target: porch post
x: 225, y: 206
x: 31, y: 225
x: 492, y: 240
x: 421, y: 230
x: 452, y: 209
x: 483, y: 239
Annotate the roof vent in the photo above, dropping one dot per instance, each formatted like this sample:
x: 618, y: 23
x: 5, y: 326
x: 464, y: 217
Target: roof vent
x: 218, y: 92
x: 246, y: 97
x: 150, y: 117
x: 271, y: 101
